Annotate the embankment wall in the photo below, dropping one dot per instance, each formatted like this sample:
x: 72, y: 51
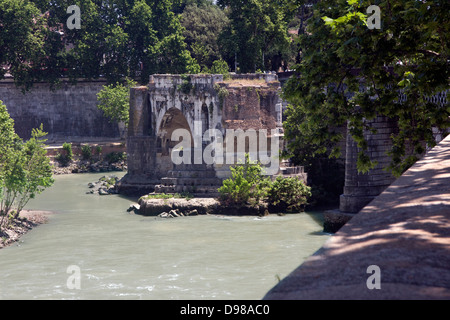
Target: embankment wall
x: 68, y: 112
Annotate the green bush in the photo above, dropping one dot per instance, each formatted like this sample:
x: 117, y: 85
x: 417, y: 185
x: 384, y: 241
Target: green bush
x: 288, y: 194
x: 98, y: 150
x: 247, y: 185
x: 222, y: 92
x: 67, y: 147
x: 186, y: 85
x: 114, y: 157
x: 66, y: 158
x: 221, y: 67
x: 86, y: 152
x: 114, y: 100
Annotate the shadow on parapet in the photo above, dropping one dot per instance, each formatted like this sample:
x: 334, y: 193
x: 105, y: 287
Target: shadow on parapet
x: 405, y: 232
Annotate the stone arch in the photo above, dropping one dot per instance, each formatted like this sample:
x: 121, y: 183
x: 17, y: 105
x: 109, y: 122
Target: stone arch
x: 162, y: 108
x: 171, y: 120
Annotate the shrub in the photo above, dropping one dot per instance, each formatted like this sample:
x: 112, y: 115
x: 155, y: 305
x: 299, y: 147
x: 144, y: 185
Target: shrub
x: 66, y: 158
x: 114, y: 157
x: 86, y: 152
x: 220, y: 67
x: 114, y: 100
x: 186, y: 85
x: 25, y: 169
x: 246, y: 186
x: 67, y: 147
x: 288, y: 194
x: 98, y: 150
x: 222, y: 92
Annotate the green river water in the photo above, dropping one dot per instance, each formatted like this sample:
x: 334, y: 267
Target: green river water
x: 118, y: 255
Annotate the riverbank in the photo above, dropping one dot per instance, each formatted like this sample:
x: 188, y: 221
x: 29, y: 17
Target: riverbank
x: 89, y: 157
x: 27, y: 220
x: 85, y: 166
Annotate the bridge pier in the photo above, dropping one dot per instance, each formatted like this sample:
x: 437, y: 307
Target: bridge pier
x: 362, y: 188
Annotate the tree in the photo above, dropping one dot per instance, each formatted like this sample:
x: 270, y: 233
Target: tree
x: 23, y: 32
x: 202, y: 24
x: 348, y: 74
x: 171, y: 54
x: 117, y: 39
x: 25, y: 170
x: 257, y: 30
x: 114, y: 101
x: 220, y: 67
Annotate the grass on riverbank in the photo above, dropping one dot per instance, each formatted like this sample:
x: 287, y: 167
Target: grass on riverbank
x: 184, y: 195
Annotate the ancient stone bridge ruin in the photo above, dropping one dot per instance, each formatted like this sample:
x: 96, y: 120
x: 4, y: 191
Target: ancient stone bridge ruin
x: 223, y: 120
x: 198, y: 104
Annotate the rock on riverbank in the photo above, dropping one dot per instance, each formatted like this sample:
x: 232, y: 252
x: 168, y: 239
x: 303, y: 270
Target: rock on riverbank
x: 27, y: 220
x: 104, y: 186
x: 174, y: 207
x: 83, y: 166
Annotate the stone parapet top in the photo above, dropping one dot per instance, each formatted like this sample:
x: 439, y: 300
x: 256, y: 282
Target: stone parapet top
x: 170, y: 80
x: 404, y: 232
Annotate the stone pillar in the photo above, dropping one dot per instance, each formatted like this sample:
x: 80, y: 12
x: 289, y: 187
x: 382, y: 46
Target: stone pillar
x: 141, y: 177
x: 141, y: 142
x: 359, y: 188
x: 138, y: 113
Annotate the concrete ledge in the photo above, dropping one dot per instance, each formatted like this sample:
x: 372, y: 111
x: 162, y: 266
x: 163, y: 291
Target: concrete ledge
x: 405, y: 232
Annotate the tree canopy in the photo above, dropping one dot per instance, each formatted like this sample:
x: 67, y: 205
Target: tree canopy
x: 23, y: 32
x: 202, y: 24
x: 257, y: 31
x: 117, y: 39
x: 135, y: 38
x: 114, y: 101
x: 349, y: 74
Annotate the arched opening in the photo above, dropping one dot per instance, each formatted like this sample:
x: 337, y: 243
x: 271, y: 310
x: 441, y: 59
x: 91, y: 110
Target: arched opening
x: 173, y: 119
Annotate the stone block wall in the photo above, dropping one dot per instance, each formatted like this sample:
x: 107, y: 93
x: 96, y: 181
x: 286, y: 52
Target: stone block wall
x: 359, y: 188
x: 256, y: 106
x: 67, y: 113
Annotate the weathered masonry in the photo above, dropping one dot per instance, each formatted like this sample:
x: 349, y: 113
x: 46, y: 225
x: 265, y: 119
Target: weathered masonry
x: 199, y: 104
x: 68, y: 112
x: 361, y: 188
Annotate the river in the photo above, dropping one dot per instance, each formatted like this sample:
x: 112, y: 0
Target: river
x: 91, y: 248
